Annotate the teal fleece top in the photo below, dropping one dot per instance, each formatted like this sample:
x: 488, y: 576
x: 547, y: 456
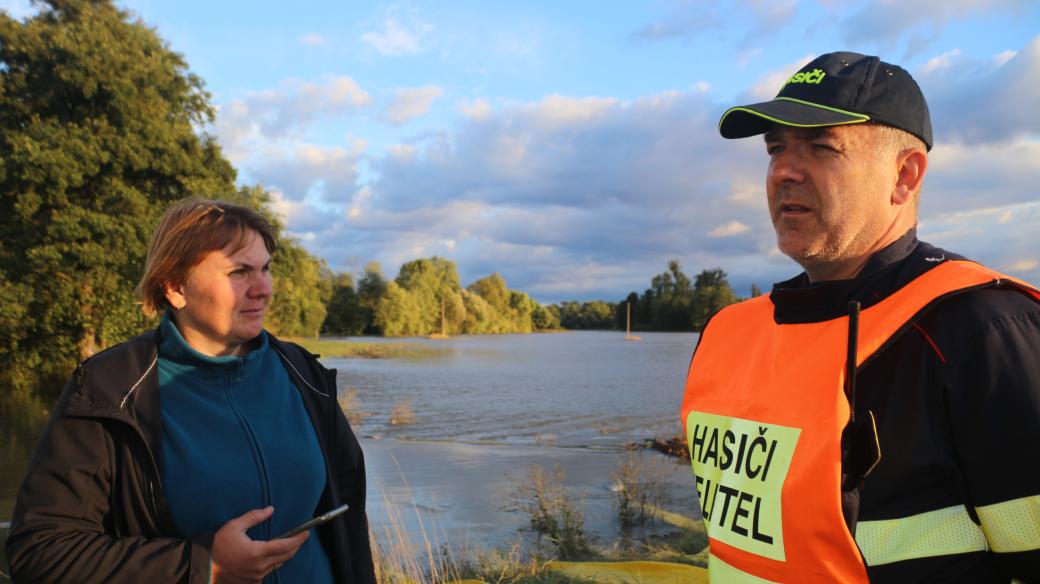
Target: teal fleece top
x: 236, y: 437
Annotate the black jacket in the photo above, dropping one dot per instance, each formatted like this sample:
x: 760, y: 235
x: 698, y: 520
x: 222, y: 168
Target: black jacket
x: 91, y: 507
x: 957, y: 400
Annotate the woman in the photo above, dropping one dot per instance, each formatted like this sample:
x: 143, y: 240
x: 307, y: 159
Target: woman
x: 182, y: 454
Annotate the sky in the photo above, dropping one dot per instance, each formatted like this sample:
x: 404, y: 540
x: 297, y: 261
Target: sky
x: 572, y: 146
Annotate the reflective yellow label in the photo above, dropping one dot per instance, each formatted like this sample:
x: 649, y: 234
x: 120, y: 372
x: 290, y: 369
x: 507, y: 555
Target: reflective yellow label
x: 740, y: 467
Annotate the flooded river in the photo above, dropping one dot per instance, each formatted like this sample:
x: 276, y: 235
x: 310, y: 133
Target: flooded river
x: 479, y: 411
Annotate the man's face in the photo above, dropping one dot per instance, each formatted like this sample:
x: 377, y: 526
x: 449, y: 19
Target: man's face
x: 829, y: 192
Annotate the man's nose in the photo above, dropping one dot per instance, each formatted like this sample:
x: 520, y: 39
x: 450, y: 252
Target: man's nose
x: 786, y: 166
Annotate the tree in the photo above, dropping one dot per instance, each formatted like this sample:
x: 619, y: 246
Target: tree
x: 755, y: 291
x: 343, y: 314
x: 301, y: 292
x: 711, y: 293
x: 543, y: 319
x: 397, y: 313
x: 595, y: 315
x: 432, y: 283
x: 672, y: 297
x: 493, y: 290
x: 101, y: 130
x: 370, y: 289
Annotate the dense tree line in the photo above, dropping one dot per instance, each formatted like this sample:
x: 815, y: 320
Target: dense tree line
x: 672, y: 303
x: 594, y: 315
x: 425, y: 298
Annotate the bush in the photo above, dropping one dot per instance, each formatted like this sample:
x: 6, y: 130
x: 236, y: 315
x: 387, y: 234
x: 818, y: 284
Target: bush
x: 639, y: 486
x: 553, y: 514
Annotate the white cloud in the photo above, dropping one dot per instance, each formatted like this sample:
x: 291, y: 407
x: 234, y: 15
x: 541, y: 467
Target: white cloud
x: 557, y: 110
x: 1002, y: 58
x: 409, y: 103
x: 476, y: 110
x: 575, y: 182
x: 687, y: 20
x: 585, y: 196
x: 1026, y: 265
x: 313, y: 39
x: 885, y: 24
x: 729, y: 229
x: 245, y: 125
x: 943, y: 61
x: 301, y: 171
x: 397, y: 38
x: 979, y: 101
x: 1000, y: 236
x: 962, y: 176
x: 402, y: 150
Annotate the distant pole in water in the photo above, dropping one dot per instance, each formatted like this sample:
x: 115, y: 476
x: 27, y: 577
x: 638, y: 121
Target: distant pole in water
x: 444, y: 324
x: 628, y: 323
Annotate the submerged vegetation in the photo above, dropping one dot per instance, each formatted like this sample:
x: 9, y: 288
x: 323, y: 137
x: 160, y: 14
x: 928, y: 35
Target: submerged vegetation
x: 556, y: 517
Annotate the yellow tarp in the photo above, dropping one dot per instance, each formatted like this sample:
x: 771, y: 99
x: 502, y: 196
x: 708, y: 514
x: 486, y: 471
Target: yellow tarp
x: 634, y: 572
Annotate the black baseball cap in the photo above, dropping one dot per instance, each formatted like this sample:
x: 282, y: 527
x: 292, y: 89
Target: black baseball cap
x: 836, y: 89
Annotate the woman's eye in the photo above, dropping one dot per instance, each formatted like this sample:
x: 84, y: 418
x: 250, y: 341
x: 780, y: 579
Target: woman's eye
x: 774, y: 149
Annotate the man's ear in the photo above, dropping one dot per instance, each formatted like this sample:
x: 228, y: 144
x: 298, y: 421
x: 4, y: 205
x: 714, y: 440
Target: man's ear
x: 912, y: 166
x: 175, y: 295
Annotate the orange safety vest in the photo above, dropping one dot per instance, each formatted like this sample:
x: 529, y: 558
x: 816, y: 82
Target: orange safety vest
x: 763, y: 415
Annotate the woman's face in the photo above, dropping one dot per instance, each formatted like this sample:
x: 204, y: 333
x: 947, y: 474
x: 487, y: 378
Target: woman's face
x: 220, y: 306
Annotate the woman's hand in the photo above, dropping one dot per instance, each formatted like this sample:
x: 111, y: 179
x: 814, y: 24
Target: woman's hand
x: 238, y: 559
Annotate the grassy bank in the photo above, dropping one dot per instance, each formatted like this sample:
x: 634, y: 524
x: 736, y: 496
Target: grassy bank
x: 330, y: 348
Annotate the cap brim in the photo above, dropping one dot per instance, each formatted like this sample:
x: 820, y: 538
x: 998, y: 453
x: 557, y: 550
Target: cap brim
x: 758, y: 118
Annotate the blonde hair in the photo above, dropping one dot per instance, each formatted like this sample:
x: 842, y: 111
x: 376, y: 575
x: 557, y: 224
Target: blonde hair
x: 187, y: 231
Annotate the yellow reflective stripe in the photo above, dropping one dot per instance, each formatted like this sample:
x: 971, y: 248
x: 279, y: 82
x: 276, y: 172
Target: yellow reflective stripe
x: 784, y: 122
x: 720, y: 572
x: 1012, y: 526
x: 935, y: 533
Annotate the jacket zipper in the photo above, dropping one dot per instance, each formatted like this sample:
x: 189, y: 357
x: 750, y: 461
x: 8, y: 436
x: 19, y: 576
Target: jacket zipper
x: 231, y: 377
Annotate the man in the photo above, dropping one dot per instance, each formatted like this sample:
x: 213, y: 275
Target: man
x: 877, y: 417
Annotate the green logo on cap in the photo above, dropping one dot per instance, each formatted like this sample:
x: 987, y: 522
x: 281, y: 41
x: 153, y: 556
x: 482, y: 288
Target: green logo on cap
x: 815, y: 77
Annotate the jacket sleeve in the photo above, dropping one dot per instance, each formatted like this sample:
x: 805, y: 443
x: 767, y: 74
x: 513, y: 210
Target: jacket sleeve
x: 995, y: 414
x: 63, y: 527
x: 352, y: 482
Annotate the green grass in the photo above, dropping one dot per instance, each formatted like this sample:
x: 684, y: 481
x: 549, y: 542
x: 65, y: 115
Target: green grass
x: 327, y: 348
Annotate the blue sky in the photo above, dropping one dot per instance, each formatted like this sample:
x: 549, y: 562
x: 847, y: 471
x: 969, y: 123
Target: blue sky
x: 571, y: 146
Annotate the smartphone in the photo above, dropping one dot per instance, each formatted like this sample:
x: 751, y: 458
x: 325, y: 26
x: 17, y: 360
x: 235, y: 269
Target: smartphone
x: 319, y: 520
